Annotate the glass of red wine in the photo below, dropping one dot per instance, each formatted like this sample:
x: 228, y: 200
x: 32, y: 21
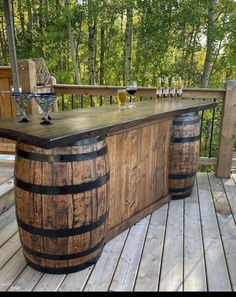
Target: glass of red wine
x: 131, y: 90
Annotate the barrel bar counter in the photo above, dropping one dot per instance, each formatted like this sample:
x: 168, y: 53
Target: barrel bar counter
x: 94, y: 172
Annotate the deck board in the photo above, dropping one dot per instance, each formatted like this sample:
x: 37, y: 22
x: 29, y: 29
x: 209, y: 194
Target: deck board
x: 186, y: 245
x: 194, y: 261
x: 216, y: 267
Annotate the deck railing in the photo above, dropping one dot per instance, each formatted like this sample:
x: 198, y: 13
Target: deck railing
x: 216, y: 126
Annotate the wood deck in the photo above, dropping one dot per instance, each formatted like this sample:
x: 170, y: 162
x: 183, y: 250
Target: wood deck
x: 186, y: 245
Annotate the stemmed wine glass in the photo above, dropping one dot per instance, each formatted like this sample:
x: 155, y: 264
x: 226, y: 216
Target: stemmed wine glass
x: 22, y: 100
x: 45, y: 101
x: 131, y: 89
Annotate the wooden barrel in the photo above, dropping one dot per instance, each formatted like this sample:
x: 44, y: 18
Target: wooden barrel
x: 184, y: 154
x: 62, y: 204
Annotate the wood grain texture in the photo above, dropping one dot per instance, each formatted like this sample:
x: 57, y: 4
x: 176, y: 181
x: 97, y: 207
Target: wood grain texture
x: 227, y: 131
x: 71, y: 126
x: 216, y: 266
x: 226, y: 224
x: 171, y: 278
x: 184, y: 154
x: 138, y: 162
x: 50, y: 212
x: 194, y: 264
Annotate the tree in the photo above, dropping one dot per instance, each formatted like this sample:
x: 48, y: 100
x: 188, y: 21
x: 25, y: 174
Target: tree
x: 210, y: 47
x: 128, y: 43
x: 71, y: 42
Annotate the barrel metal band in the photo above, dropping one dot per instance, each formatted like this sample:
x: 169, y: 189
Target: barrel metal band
x: 62, y: 232
x: 175, y: 197
x: 62, y: 190
x: 61, y: 158
x: 187, y: 115
x: 181, y: 175
x: 64, y: 257
x: 185, y: 139
x: 180, y: 189
x: 64, y: 270
x: 185, y: 123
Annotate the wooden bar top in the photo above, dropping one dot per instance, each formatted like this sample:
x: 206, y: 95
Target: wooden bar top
x: 74, y: 125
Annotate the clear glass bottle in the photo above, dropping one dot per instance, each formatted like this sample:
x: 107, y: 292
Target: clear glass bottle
x: 179, y: 87
x: 172, y: 87
x: 166, y: 87
x: 159, y: 88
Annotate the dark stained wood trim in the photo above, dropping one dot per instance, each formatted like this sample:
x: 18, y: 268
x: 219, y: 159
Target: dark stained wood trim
x: 74, y: 125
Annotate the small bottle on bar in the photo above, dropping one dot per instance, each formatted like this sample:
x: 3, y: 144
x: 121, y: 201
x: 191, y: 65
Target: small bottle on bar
x: 172, y: 87
x: 159, y: 88
x: 166, y: 87
x: 179, y: 87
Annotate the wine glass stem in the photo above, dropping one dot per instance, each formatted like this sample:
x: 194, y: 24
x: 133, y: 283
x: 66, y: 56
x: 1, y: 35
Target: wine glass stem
x: 46, y: 115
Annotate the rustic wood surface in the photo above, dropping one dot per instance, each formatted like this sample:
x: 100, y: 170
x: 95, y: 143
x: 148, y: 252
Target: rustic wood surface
x: 51, y: 212
x: 206, y: 248
x: 138, y: 163
x: 71, y: 126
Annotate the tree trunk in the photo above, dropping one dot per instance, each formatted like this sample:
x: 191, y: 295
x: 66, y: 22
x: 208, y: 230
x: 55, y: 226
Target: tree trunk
x: 102, y: 54
x: 71, y: 43
x: 22, y: 18
x: 128, y: 44
x: 208, y: 64
x: 91, y: 43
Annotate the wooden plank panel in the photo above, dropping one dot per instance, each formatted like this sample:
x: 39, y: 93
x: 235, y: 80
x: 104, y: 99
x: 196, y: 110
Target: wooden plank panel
x: 6, y: 172
x: 7, y: 232
x: 149, y: 270
x: 125, y: 274
x: 26, y: 281
x: 226, y: 224
x: 194, y: 265
x: 230, y: 189
x: 49, y: 282
x: 8, y: 249
x: 138, y: 185
x: 172, y: 263
x: 227, y: 131
x: 7, y: 216
x: 12, y: 270
x: 216, y: 268
x: 76, y: 281
x: 103, y: 271
x: 5, y: 102
x: 7, y: 197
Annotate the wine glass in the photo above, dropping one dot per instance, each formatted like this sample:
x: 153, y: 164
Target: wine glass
x: 131, y: 89
x: 22, y: 100
x: 45, y: 101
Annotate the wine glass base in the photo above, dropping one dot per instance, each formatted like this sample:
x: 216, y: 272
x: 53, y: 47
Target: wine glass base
x: 45, y: 122
x: 23, y: 120
x: 49, y: 118
x: 131, y: 106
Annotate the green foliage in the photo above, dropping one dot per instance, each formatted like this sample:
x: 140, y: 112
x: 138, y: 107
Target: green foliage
x: 168, y: 39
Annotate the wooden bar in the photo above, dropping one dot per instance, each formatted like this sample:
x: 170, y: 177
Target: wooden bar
x: 87, y: 177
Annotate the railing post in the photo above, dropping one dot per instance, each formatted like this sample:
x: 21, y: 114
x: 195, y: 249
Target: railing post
x: 227, y: 131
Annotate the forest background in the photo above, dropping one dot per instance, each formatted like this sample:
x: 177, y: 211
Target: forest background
x: 110, y: 42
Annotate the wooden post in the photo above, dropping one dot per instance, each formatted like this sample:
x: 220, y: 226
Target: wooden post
x: 28, y: 81
x: 227, y: 132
